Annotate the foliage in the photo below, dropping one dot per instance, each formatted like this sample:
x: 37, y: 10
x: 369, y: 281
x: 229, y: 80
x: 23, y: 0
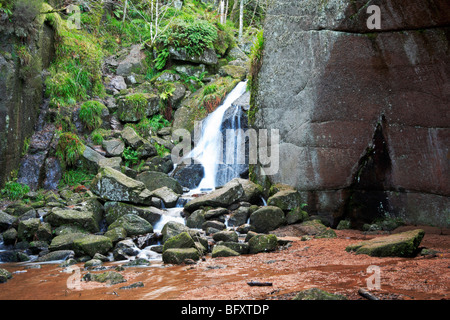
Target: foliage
x: 75, y: 177
x: 161, y: 150
x: 90, y: 114
x: 161, y: 60
x: 193, y: 35
x: 209, y: 89
x: 69, y: 148
x: 256, y: 57
x: 155, y: 123
x: 131, y: 156
x: 138, y: 103
x: 14, y: 190
x: 76, y: 72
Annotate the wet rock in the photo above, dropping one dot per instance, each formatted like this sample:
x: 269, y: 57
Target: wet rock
x: 133, y: 224
x: 109, y: 277
x: 93, y: 263
x: 214, y: 224
x: 267, y: 219
x: 92, y: 244
x: 56, y: 255
x: 241, y: 248
x: 189, y: 176
x: 5, y: 275
x: 237, y: 72
x: 239, y: 217
x: 317, y: 294
x: 403, y: 244
x: 223, y: 251
x: 53, y: 174
x: 160, y: 164
x: 135, y: 285
x: 31, y: 169
x: 262, y: 243
x: 179, y: 255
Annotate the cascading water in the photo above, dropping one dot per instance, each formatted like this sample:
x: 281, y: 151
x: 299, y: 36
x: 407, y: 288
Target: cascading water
x: 209, y: 149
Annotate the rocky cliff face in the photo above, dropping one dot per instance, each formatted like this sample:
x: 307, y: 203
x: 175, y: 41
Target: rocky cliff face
x: 363, y: 114
x: 24, y: 53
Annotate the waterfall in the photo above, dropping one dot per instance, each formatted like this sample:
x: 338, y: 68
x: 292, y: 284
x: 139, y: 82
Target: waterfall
x: 209, y: 149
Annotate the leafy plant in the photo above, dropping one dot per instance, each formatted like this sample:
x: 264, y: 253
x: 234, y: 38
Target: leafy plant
x: 69, y: 148
x: 14, y: 190
x: 131, y: 156
x: 161, y: 150
x: 90, y: 114
x: 161, y: 60
x: 75, y: 177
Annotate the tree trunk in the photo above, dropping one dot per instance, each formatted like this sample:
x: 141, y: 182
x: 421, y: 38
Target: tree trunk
x: 241, y: 20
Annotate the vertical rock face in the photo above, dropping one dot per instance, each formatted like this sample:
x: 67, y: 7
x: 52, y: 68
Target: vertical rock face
x: 21, y: 89
x: 363, y: 114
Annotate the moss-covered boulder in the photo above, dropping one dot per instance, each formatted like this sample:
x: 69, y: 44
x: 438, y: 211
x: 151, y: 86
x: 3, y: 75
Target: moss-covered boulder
x: 83, y: 219
x: 136, y: 106
x: 6, y: 221
x: 92, y: 244
x: 296, y: 215
x: 404, y: 244
x: 28, y: 228
x: 109, y: 277
x: 5, y: 275
x: 133, y: 224
x: 236, y: 72
x: 317, y: 294
x: 263, y: 243
x: 287, y: 199
x: 267, y: 219
x: 315, y: 228
x: 172, y: 228
x: 225, y: 235
x: 65, y: 241
x: 116, y: 234
x: 241, y: 248
x: 223, y: 251
x: 179, y: 255
x: 182, y: 240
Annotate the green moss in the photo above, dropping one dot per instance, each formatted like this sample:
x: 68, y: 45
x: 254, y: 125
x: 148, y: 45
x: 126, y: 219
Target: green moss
x: 90, y: 114
x: 69, y: 149
x: 256, y: 57
x: 137, y: 102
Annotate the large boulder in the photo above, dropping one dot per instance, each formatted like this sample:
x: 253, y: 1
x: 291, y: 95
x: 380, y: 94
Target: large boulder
x: 113, y: 185
x: 6, y: 221
x: 402, y: 244
x: 65, y: 241
x: 179, y: 255
x: 133, y: 224
x: 263, y: 243
x: 83, y: 219
x: 115, y: 210
x: 267, y: 219
x: 181, y: 240
x: 133, y: 62
x: 286, y: 200
x: 223, y: 197
x: 172, y: 229
x: 136, y: 106
x: 154, y: 180
x: 208, y: 57
x: 92, y: 244
x: 349, y: 104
